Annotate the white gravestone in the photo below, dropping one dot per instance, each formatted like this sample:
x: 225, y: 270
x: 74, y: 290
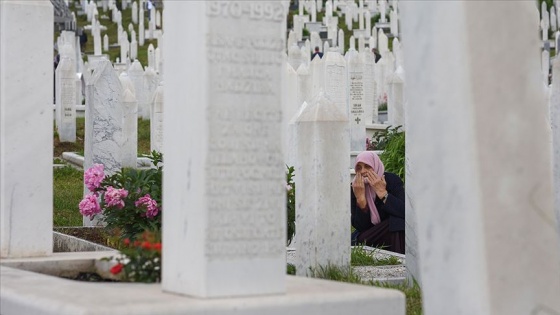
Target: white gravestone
x: 295, y: 57
x: 129, y: 149
x: 151, y: 57
x: 119, y: 33
x: 382, y: 42
x: 305, y: 86
x: 105, y: 43
x: 317, y: 67
x: 394, y: 23
x: 156, y: 123
x: 356, y: 104
x: 136, y: 75
x: 103, y: 128
x: 151, y: 81
x: 395, y: 99
x: 158, y: 18
x: 289, y: 108
x: 158, y: 59
x: 125, y: 47
x: 134, y: 12
x: 133, y: 49
x: 341, y: 47
x: 322, y: 210
x: 336, y: 83
x: 485, y: 221
x: 66, y: 98
x: 555, y: 123
x: 225, y: 215
x: 26, y: 120
x: 141, y: 33
x: 130, y: 129
x: 383, y: 11
x: 368, y: 24
x: 370, y: 105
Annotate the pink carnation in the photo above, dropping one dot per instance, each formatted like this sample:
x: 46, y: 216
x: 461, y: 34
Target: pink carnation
x: 151, y: 205
x: 89, y: 206
x: 114, y: 197
x: 93, y: 176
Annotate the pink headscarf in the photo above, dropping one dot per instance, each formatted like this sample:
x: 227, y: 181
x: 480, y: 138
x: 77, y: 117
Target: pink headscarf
x: 372, y: 159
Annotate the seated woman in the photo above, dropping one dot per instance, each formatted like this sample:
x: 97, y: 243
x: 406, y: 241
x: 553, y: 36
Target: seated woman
x: 377, y: 205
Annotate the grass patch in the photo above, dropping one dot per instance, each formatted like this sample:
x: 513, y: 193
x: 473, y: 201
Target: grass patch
x: 290, y: 269
x: 68, y: 190
x: 413, y: 293
x: 361, y: 257
x: 143, y: 137
x: 78, y: 146
x: 335, y: 273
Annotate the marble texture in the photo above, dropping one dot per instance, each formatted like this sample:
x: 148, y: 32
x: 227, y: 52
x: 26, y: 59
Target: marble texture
x: 26, y: 121
x: 395, y: 98
x: 322, y: 211
x: 289, y: 108
x: 370, y: 105
x: 224, y: 227
x: 104, y: 117
x: 336, y: 80
x: 156, y: 122
x: 129, y: 127
x: 150, y: 84
x: 136, y: 75
x: 555, y: 123
x: 304, y: 296
x: 483, y: 188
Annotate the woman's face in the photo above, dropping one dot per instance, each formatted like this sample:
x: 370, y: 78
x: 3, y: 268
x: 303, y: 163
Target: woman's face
x: 362, y: 168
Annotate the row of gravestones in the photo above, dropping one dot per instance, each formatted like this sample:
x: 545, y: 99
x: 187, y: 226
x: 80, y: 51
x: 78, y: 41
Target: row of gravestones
x: 350, y: 11
x: 352, y: 82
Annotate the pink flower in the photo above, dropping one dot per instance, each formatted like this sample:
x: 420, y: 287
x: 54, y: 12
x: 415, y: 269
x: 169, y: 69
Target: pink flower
x: 151, y: 205
x: 288, y: 187
x: 114, y: 197
x: 93, y: 176
x: 89, y: 206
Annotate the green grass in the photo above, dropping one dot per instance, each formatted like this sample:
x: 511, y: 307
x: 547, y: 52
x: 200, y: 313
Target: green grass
x: 78, y: 146
x: 361, y: 257
x: 68, y: 190
x: 412, y: 292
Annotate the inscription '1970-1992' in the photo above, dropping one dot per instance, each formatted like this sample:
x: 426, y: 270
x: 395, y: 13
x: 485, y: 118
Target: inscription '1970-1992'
x: 255, y: 10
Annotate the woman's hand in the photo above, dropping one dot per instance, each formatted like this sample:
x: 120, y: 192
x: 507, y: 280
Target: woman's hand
x: 377, y: 182
x: 359, y: 189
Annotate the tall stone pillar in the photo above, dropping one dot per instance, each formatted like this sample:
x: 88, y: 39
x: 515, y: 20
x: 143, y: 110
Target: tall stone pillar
x: 482, y: 176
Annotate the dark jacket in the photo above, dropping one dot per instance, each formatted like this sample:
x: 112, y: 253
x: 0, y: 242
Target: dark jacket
x: 392, y: 210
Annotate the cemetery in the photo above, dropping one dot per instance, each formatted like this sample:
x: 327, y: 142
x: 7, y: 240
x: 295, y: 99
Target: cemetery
x: 195, y: 157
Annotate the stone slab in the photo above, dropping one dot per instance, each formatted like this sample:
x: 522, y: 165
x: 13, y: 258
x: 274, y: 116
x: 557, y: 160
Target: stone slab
x: 24, y: 292
x: 78, y: 160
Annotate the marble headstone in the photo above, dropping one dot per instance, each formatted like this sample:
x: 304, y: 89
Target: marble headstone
x: 231, y: 242
x: 104, y: 115
x: 322, y: 215
x: 486, y: 228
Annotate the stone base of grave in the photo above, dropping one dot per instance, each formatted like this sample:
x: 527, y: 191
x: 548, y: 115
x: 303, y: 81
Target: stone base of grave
x: 26, y: 292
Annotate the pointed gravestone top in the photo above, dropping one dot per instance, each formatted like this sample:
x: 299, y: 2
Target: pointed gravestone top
x: 127, y: 82
x: 136, y: 66
x: 321, y: 108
